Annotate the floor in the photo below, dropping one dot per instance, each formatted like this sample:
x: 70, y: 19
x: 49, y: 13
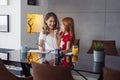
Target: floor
x: 87, y: 75
x: 76, y: 77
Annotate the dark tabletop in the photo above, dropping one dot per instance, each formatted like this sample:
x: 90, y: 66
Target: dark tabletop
x: 5, y: 50
x: 86, y: 63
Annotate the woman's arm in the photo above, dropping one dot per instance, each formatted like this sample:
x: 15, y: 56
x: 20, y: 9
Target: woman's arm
x: 57, y: 38
x: 41, y: 45
x: 58, y: 41
x: 42, y: 38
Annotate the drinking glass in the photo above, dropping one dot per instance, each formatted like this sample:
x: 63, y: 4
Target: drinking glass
x: 23, y: 52
x: 75, y: 49
x: 74, y: 58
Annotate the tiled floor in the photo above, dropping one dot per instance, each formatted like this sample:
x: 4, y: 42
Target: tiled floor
x: 76, y: 77
x: 88, y: 75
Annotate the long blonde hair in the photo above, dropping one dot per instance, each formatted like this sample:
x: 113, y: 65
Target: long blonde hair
x: 45, y: 27
x: 68, y: 22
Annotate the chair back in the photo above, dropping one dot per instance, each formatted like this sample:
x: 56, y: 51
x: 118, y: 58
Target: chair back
x: 76, y: 42
x: 111, y: 74
x: 109, y: 46
x: 6, y: 75
x: 48, y: 72
x: 4, y: 72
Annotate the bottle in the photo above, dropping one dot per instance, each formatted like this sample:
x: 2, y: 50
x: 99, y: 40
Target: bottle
x: 57, y: 57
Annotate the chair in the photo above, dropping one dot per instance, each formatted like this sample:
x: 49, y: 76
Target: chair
x: 109, y: 45
x: 76, y: 42
x: 6, y: 75
x: 111, y: 74
x: 48, y: 72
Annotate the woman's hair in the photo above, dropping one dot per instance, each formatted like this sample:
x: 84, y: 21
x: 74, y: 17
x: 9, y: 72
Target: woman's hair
x: 68, y: 23
x: 47, y: 16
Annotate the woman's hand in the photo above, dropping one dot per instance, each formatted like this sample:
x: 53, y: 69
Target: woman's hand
x: 57, y: 37
x: 41, y: 48
x: 55, y: 32
x: 51, y: 62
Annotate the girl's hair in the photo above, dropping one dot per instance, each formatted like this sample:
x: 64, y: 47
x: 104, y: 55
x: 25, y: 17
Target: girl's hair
x: 68, y: 22
x: 45, y: 27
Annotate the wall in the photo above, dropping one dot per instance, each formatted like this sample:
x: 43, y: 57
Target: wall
x: 30, y: 39
x: 18, y: 36
x: 18, y: 10
x: 94, y: 19
x: 11, y: 39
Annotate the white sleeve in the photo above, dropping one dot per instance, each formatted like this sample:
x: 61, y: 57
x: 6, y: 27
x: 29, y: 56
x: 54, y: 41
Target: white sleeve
x: 42, y: 36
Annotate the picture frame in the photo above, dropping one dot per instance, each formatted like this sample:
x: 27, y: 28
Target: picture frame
x: 32, y: 2
x: 4, y: 23
x: 3, y: 2
x: 4, y: 56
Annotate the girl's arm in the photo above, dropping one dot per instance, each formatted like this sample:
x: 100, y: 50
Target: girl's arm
x: 68, y: 48
x: 68, y: 45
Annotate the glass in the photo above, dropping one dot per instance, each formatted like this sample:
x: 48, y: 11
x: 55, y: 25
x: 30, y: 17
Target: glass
x: 23, y: 52
x: 74, y: 58
x: 75, y: 49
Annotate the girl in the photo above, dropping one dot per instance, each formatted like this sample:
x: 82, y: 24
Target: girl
x: 67, y: 37
x: 48, y: 39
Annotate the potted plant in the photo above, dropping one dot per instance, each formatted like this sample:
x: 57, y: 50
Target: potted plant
x: 98, y: 52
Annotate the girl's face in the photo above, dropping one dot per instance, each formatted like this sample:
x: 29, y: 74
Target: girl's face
x: 62, y: 27
x: 51, y: 23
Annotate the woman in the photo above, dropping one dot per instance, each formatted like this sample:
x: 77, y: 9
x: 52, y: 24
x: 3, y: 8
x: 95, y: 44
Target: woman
x: 48, y: 39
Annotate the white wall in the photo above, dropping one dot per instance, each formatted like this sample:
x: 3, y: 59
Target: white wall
x: 18, y: 36
x: 11, y: 39
x: 17, y: 11
x: 94, y: 19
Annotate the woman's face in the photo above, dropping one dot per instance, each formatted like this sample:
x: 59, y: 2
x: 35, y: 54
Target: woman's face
x: 51, y: 23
